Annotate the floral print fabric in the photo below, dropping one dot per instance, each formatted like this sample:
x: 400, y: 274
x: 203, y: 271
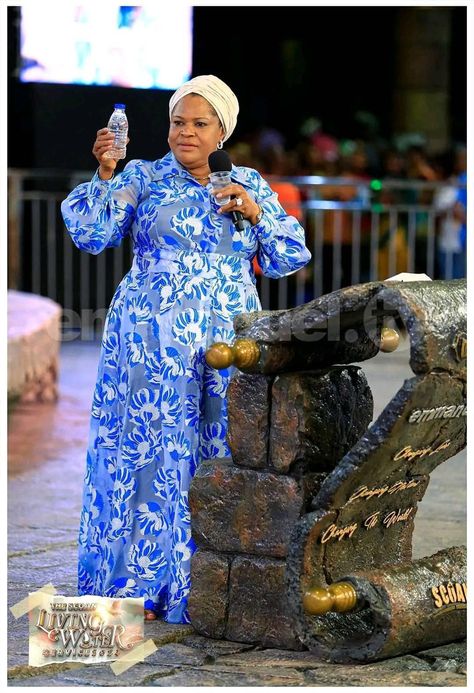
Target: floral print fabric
x: 158, y: 409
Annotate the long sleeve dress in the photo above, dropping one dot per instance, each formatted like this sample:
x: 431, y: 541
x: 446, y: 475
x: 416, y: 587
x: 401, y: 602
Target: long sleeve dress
x: 158, y: 409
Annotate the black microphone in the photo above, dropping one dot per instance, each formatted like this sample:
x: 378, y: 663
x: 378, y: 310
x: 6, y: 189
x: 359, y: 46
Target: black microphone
x: 220, y: 161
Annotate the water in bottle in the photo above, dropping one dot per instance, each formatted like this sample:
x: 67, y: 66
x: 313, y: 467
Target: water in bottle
x: 118, y: 124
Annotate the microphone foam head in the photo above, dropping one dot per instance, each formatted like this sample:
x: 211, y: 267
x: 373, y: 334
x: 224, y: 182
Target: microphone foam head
x: 219, y: 161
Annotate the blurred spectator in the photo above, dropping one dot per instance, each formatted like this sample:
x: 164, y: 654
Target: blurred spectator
x: 273, y: 164
x: 367, y: 129
x: 450, y: 203
x: 338, y: 224
x: 319, y: 151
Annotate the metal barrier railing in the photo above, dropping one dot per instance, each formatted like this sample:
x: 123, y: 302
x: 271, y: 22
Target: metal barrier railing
x: 385, y: 227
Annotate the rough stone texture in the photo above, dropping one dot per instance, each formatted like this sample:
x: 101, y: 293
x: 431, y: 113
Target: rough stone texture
x: 394, y: 446
x: 33, y: 347
x: 258, y: 604
x: 364, y: 511
x: 243, y: 511
x: 317, y: 416
x: 341, y: 327
x: 332, y: 329
x: 405, y: 607
x: 208, y: 600
x: 248, y: 400
x: 435, y: 316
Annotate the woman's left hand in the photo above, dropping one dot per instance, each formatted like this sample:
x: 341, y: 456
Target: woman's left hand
x: 241, y: 202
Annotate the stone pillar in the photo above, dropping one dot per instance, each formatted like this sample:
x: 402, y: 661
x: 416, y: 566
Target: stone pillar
x: 286, y: 433
x: 421, y: 98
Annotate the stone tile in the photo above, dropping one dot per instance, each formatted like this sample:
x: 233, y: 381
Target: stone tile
x: 220, y: 676
x: 96, y: 675
x: 261, y: 581
x: 31, y: 536
x: 242, y: 510
x: 366, y: 676
x: 35, y: 681
x: 161, y: 632
x: 33, y: 574
x: 209, y: 597
x: 272, y: 657
x: 455, y: 650
x: 450, y: 657
x: 217, y: 648
x: 177, y: 654
x: 317, y: 416
x: 102, y: 675
x: 248, y: 398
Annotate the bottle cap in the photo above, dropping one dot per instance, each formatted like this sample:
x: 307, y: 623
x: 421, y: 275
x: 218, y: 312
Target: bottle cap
x: 119, y: 105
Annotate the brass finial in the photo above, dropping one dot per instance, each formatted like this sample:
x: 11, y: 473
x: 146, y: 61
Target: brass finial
x: 245, y: 353
x: 339, y: 597
x: 389, y: 339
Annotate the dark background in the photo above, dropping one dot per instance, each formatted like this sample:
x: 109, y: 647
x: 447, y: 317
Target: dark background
x: 284, y: 63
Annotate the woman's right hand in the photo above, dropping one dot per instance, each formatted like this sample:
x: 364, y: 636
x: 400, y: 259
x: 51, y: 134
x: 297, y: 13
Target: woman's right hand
x: 103, y: 143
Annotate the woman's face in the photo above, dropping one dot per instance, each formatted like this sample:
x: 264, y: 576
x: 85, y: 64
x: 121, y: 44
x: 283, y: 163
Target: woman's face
x: 194, y: 131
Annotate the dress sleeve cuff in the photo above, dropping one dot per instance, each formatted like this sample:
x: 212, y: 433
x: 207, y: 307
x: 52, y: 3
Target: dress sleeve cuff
x: 99, y: 184
x: 263, y: 227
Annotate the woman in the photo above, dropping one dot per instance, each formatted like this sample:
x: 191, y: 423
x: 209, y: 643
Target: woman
x: 158, y: 408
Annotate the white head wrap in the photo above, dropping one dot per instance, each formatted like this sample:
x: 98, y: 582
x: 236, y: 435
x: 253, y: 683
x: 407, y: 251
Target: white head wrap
x: 217, y: 93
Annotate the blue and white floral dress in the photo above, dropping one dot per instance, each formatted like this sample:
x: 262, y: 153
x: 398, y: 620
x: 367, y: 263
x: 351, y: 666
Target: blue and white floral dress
x: 158, y: 409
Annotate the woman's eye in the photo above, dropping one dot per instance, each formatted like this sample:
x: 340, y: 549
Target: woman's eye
x: 202, y: 124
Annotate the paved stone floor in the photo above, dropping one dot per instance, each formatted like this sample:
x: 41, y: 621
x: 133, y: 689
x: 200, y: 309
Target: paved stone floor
x: 47, y: 445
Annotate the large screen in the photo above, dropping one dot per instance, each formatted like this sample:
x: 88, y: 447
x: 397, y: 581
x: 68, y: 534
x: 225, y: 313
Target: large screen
x: 147, y: 46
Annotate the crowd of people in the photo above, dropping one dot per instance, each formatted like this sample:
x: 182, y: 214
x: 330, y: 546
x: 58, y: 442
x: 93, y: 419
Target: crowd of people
x: 379, y: 169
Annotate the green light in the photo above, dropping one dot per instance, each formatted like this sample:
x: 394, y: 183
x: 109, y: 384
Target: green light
x: 376, y: 184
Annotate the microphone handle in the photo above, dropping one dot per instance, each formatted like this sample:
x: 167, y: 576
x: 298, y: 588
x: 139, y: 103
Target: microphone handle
x: 237, y: 218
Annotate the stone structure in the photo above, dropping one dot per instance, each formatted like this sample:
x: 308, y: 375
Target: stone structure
x: 312, y: 496
x: 33, y: 347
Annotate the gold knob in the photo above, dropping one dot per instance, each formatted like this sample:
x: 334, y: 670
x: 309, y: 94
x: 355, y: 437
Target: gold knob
x: 339, y: 597
x: 245, y: 353
x: 389, y: 339
x: 219, y: 355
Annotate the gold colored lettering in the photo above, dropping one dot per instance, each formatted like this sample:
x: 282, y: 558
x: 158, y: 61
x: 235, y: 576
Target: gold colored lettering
x: 407, y: 453
x: 365, y: 492
x: 333, y: 532
x: 459, y: 593
x: 444, y: 594
x: 437, y: 599
x: 372, y: 520
x: 451, y: 592
x: 397, y: 516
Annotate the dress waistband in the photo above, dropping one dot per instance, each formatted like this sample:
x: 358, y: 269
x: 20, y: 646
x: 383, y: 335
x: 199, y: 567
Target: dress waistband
x: 206, y: 265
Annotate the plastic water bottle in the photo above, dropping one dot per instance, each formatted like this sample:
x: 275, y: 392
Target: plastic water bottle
x: 118, y: 124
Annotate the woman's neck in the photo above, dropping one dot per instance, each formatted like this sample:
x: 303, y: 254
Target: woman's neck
x: 200, y: 173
